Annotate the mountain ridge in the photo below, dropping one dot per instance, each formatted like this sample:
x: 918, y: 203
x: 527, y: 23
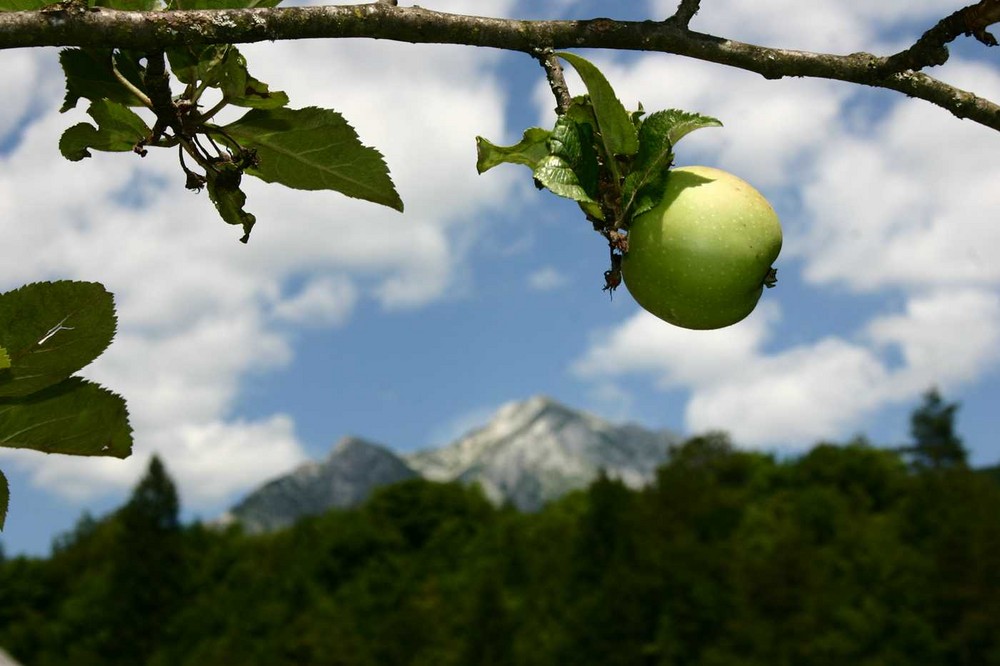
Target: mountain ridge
x: 530, y: 452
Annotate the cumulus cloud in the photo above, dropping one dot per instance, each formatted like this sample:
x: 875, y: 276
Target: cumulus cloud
x: 323, y: 301
x: 909, y: 204
x: 200, y: 313
x: 547, y: 278
x: 823, y: 389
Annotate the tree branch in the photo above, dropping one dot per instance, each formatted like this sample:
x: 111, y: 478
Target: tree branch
x: 149, y: 31
x: 931, y: 48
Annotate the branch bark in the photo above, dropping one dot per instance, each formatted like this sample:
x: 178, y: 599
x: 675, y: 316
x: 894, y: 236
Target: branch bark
x: 151, y: 31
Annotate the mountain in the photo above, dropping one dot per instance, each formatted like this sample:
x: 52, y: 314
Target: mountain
x: 537, y: 450
x: 529, y: 453
x: 345, y: 478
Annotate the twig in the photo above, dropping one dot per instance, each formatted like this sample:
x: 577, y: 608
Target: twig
x: 142, y: 97
x: 931, y: 49
x: 685, y: 12
x: 157, y: 81
x: 554, y: 73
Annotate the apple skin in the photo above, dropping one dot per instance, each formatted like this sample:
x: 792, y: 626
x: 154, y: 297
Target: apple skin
x: 700, y: 257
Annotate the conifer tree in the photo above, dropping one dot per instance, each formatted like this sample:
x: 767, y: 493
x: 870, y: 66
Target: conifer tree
x: 935, y: 443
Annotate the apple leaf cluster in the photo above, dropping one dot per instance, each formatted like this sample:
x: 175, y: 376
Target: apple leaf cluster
x: 309, y: 148
x: 612, y: 162
x: 49, y: 331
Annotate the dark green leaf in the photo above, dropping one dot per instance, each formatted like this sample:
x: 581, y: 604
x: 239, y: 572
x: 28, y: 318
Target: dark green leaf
x: 89, y: 76
x: 582, y: 111
x: 637, y: 117
x: 77, y: 139
x: 241, y: 89
x: 75, y: 417
x: 50, y: 330
x: 4, y: 499
x: 224, y: 190
x: 614, y: 123
x: 22, y: 5
x: 223, y: 66
x: 119, y: 130
x: 118, y: 119
x: 529, y: 151
x: 191, y: 64
x: 558, y: 176
x: 128, y: 5
x: 642, y: 191
x: 314, y: 149
x: 571, y: 168
x: 677, y: 124
x: 644, y: 186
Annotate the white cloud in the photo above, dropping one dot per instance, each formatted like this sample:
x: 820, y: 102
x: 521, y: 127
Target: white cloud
x: 547, y: 278
x: 22, y: 73
x: 948, y: 337
x: 200, y: 313
x: 323, y: 301
x: 910, y: 204
x: 675, y: 356
x: 800, y: 394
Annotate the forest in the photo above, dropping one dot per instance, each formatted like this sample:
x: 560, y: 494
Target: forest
x: 850, y: 553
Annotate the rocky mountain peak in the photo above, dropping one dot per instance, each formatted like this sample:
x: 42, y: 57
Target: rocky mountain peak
x: 528, y: 453
x: 535, y: 450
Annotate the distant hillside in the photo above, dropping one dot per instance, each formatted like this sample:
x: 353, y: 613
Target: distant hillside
x: 345, y: 478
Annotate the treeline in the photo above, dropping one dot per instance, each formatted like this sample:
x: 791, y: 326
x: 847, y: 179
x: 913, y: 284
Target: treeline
x: 849, y: 554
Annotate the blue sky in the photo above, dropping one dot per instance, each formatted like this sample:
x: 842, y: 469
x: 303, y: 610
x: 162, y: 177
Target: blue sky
x: 240, y: 362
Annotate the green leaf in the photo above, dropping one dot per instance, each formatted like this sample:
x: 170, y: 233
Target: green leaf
x: 614, y: 123
x: 529, y: 151
x: 558, y: 176
x: 677, y: 124
x: 571, y: 168
x: 4, y: 359
x: 223, y: 66
x: 119, y: 130
x: 74, y: 417
x: 313, y: 149
x: 89, y: 76
x: 128, y: 5
x: 241, y: 89
x: 50, y: 330
x: 643, y: 187
x: 191, y: 64
x: 22, y: 5
x: 4, y: 499
x: 223, y: 183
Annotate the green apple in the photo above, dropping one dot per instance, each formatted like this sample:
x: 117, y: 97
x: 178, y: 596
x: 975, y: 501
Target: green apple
x: 700, y: 258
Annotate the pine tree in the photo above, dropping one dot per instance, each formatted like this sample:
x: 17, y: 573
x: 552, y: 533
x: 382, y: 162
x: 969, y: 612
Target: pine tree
x: 147, y: 575
x: 935, y: 443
